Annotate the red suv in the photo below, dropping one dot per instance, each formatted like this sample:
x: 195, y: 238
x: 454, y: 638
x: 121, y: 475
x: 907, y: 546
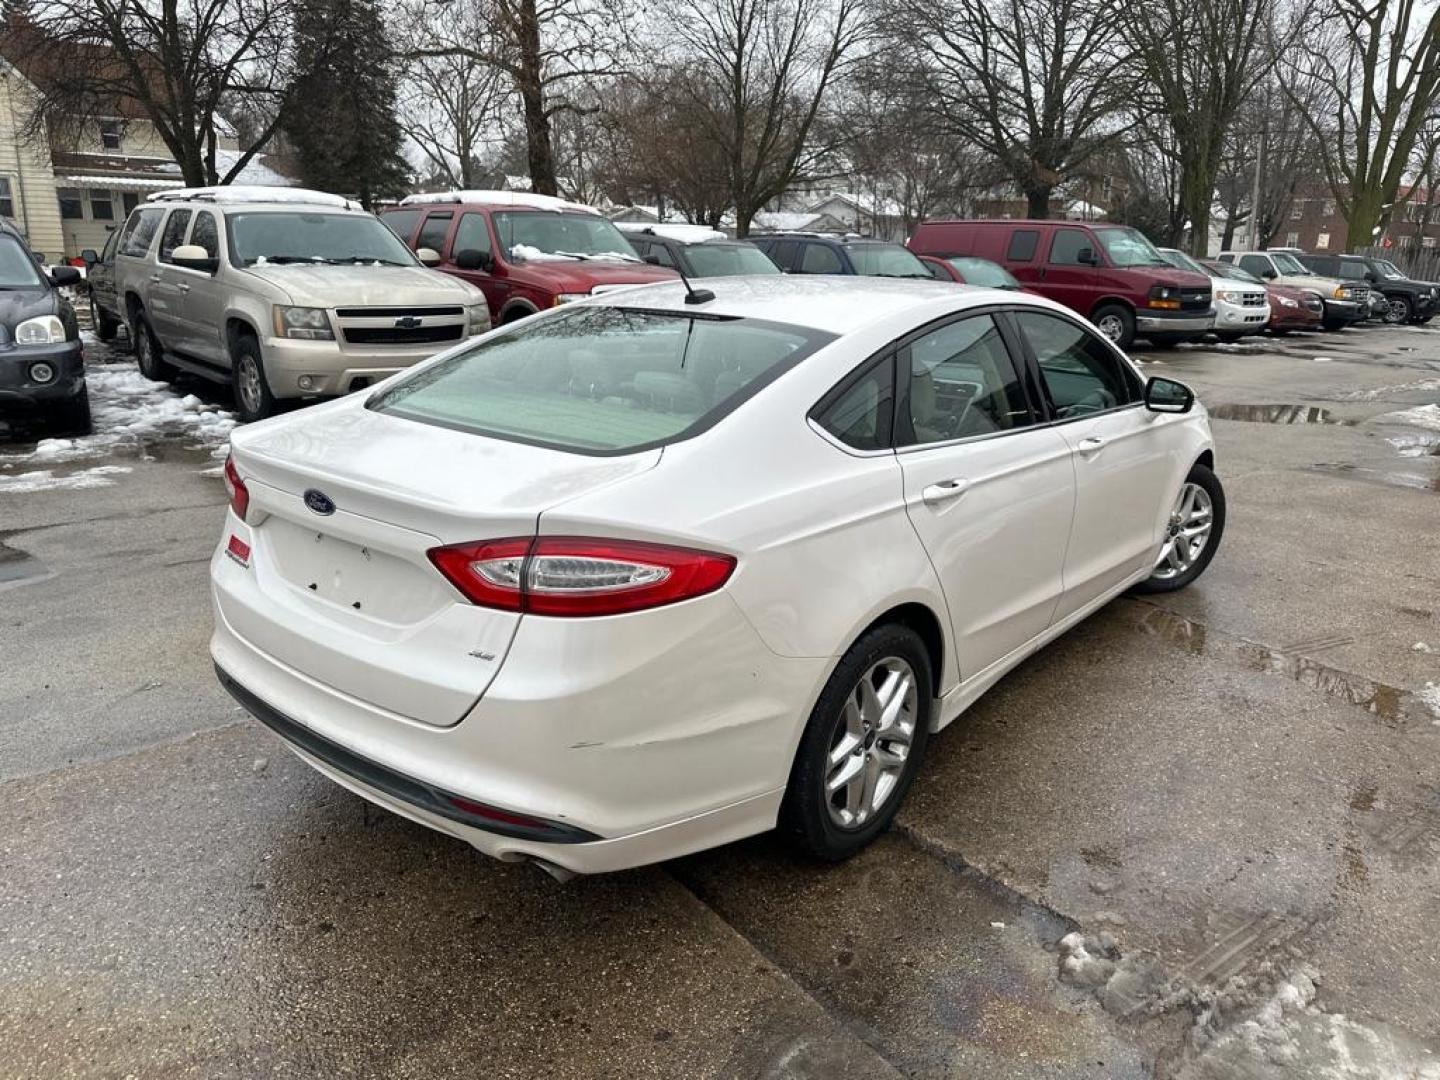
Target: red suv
x: 1109, y: 273
x: 525, y: 252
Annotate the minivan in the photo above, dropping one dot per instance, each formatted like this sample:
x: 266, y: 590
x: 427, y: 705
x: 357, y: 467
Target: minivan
x: 1109, y: 273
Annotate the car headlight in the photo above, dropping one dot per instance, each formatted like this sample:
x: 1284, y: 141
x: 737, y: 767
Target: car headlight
x: 310, y: 323
x: 570, y: 297
x: 478, y: 316
x: 1230, y: 296
x: 1285, y: 301
x: 42, y: 330
x: 1340, y: 292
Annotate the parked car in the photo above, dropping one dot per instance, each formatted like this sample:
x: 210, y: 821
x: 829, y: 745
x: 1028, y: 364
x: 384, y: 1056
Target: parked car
x: 281, y: 292
x: 696, y: 251
x: 1290, y: 308
x: 1239, y: 309
x: 42, y: 366
x: 967, y: 270
x: 1406, y: 300
x: 1109, y: 273
x: 525, y: 252
x: 645, y: 574
x: 106, y: 314
x: 1345, y: 302
x: 818, y: 253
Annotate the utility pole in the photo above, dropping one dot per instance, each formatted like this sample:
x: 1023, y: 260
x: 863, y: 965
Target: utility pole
x: 1255, y: 186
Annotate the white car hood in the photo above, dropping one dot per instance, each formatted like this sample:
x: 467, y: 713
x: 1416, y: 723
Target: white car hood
x: 328, y: 286
x: 1324, y: 285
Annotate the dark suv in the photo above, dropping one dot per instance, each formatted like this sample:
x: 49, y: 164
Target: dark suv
x: 696, y: 251
x: 42, y: 368
x: 1406, y: 301
x: 816, y: 253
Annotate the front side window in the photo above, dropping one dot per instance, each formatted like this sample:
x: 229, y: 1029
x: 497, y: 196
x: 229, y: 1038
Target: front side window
x: 1066, y: 247
x: 963, y: 383
x: 472, y: 234
x: 107, y: 253
x: 205, y: 234
x: 271, y: 237
x: 885, y: 260
x: 571, y: 237
x: 174, y: 234
x: 433, y: 232
x: 601, y: 380
x: 1235, y: 273
x: 1257, y: 264
x: 783, y: 254
x: 17, y: 268
x: 1127, y: 247
x: 71, y: 206
x: 1351, y: 271
x: 1022, y: 245
x: 1082, y: 373
x: 140, y: 230
x: 861, y: 415
x: 820, y: 259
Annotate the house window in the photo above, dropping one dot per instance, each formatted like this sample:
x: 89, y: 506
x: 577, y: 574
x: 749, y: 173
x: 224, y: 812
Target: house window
x: 7, y: 198
x: 1296, y: 210
x: 102, y: 206
x: 110, y: 133
x: 1322, y: 240
x: 129, y: 200
x: 1292, y: 239
x: 1329, y: 208
x: 1427, y: 241
x: 70, y: 205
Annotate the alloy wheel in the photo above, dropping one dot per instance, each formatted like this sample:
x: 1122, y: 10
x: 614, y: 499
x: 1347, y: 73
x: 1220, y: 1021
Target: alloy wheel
x: 871, y: 744
x: 1397, y: 312
x: 1112, y: 326
x: 248, y: 376
x: 1187, y: 532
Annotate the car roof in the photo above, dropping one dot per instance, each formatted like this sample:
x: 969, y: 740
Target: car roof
x: 827, y: 237
x: 497, y: 200
x: 835, y: 304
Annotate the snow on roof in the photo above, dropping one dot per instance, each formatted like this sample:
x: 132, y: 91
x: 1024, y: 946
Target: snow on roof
x: 255, y: 172
x: 248, y: 193
x: 785, y: 220
x: 876, y: 207
x: 686, y: 234
x: 499, y: 198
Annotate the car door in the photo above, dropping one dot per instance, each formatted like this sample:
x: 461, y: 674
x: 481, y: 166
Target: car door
x: 165, y: 299
x: 1123, y: 454
x: 989, y: 487
x: 472, y: 233
x: 1070, y: 274
x: 202, y: 309
x: 102, y: 278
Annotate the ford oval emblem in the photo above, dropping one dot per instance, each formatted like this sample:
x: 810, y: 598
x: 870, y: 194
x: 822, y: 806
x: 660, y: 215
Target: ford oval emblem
x: 319, y: 502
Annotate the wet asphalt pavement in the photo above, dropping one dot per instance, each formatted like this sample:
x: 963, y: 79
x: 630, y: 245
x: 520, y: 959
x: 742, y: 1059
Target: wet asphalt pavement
x: 1198, y: 836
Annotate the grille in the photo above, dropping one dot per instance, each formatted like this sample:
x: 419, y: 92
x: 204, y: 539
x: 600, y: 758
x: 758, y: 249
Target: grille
x: 399, y: 335
x: 1194, y: 299
x: 395, y: 312
x: 1253, y: 299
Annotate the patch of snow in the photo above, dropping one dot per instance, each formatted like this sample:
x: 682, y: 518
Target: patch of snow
x: 1425, y: 416
x: 499, y: 198
x: 1430, y: 697
x: 997, y: 926
x: 46, y: 480
x: 1398, y: 388
x: 686, y: 234
x: 1414, y: 445
x: 534, y: 254
x: 1323, y: 359
x: 257, y: 193
x: 1421, y: 647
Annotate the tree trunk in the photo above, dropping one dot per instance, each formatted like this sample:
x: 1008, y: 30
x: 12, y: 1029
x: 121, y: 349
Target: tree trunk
x: 743, y: 217
x: 538, y: 146
x: 1197, y: 187
x: 1038, y: 198
x: 1361, y: 217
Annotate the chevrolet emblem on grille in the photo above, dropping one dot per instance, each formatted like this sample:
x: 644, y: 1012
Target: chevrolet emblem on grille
x: 407, y: 322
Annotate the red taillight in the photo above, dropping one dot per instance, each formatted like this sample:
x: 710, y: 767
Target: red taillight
x: 236, y: 489
x: 579, y: 576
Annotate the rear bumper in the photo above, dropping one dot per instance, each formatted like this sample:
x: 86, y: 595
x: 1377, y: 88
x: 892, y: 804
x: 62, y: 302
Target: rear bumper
x: 1177, y: 322
x: 19, y: 389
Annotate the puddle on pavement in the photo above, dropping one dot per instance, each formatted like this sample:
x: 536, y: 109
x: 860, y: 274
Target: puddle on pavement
x: 1277, y: 414
x: 17, y: 566
x: 1390, y: 705
x: 1413, y: 481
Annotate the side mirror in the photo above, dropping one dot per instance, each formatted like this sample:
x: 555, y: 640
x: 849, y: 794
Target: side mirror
x: 428, y: 256
x: 1086, y: 257
x: 90, y: 256
x: 473, y: 259
x: 653, y: 260
x: 64, y: 275
x: 1168, y: 396
x: 1269, y: 273
x: 194, y: 257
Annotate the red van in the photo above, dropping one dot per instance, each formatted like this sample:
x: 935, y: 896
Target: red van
x: 525, y: 252
x: 1108, y: 273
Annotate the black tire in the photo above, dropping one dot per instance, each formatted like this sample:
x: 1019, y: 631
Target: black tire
x: 1423, y: 320
x: 149, y: 356
x: 106, y: 327
x: 1398, y: 311
x: 806, y: 819
x: 1229, y: 337
x: 1165, y: 344
x: 1122, y: 329
x: 72, y: 416
x: 1201, y: 476
x: 253, y: 399
x: 1335, y: 324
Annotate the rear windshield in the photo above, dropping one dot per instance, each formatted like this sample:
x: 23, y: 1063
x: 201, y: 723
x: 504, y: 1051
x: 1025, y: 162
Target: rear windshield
x: 726, y: 260
x: 885, y: 260
x: 602, y: 380
x: 983, y: 272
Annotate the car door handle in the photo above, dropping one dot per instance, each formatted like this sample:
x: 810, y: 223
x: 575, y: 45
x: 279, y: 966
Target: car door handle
x: 154, y: 277
x: 944, y: 491
x: 183, y: 287
x: 1091, y: 443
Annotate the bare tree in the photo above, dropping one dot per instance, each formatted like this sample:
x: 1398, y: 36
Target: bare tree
x: 753, y: 76
x: 1198, y: 61
x: 173, y: 61
x: 547, y: 49
x: 1038, y: 84
x: 1376, y: 71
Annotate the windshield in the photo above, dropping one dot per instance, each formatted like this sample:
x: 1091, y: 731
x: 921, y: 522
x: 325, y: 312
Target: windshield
x: 1235, y: 273
x: 17, y: 268
x: 727, y: 260
x: 1181, y: 261
x: 983, y: 272
x: 885, y: 260
x: 1352, y: 271
x: 1388, y: 269
x: 295, y: 236
x: 1126, y: 247
x: 541, y: 235
x: 601, y: 380
x: 1288, y: 264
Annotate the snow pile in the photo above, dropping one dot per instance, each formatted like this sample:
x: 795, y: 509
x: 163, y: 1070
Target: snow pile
x: 1125, y: 985
x: 1415, y: 445
x: 534, y: 254
x: 1421, y: 647
x: 1397, y: 388
x: 1426, y: 416
x: 1430, y: 696
x: 46, y: 480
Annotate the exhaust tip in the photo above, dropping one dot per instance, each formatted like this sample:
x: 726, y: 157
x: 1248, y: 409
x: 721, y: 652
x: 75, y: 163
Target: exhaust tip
x: 559, y: 873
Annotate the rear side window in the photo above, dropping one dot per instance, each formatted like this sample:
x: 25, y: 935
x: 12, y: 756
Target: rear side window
x: 1022, y: 245
x: 140, y: 230
x: 1082, y: 373
x: 861, y: 413
x: 819, y: 259
x: 402, y: 222
x: 602, y: 380
x: 783, y: 254
x: 434, y: 231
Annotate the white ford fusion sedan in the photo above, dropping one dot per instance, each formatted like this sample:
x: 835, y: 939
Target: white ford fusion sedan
x: 661, y: 569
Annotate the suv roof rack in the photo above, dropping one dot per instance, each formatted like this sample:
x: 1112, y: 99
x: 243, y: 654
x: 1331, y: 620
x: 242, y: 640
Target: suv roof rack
x: 252, y: 193
x: 500, y: 198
